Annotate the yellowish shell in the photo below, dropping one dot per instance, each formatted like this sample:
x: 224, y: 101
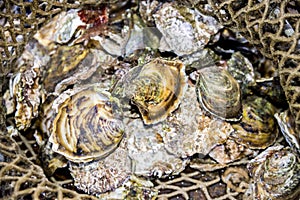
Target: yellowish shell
x: 87, y: 125
x: 258, y: 128
x: 155, y: 88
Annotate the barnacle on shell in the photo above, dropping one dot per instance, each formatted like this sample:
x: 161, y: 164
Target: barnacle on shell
x: 87, y: 125
x: 219, y: 93
x: 155, y: 88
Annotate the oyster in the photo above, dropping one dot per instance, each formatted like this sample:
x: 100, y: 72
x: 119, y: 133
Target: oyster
x: 25, y: 88
x: 87, y: 124
x: 230, y: 152
x: 285, y: 122
x: 242, y: 70
x: 186, y: 133
x: 155, y: 88
x: 275, y: 175
x: 147, y: 151
x: 258, y: 128
x: 106, y: 174
x: 219, y: 93
x: 62, y: 63
x: 184, y: 30
x: 61, y: 29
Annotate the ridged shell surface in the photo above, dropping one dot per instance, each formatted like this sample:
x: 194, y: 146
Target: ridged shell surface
x: 219, y: 93
x: 156, y: 88
x: 87, y: 126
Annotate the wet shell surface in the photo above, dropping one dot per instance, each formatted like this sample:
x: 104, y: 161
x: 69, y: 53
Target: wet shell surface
x: 87, y: 125
x: 285, y: 122
x: 219, y: 93
x: 275, y: 174
x: 258, y: 128
x: 155, y: 88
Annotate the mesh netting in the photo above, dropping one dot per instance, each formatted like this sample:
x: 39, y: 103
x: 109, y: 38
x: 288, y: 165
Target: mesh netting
x: 22, y: 179
x: 273, y: 27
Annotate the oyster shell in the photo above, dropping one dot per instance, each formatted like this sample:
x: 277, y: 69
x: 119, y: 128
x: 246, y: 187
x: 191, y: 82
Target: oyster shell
x: 285, y: 122
x: 186, y: 133
x: 104, y: 175
x: 184, y: 30
x: 87, y: 124
x: 275, y: 175
x: 258, y: 128
x: 155, y: 88
x: 242, y: 70
x: 25, y: 88
x: 236, y: 178
x: 219, y: 93
x: 65, y: 60
x: 148, y: 153
x: 230, y: 152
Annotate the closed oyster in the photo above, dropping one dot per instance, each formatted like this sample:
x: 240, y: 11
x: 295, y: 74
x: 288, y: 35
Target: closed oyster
x: 242, y: 70
x: 184, y: 30
x: 275, y: 175
x: 147, y: 151
x: 230, y: 152
x: 87, y: 124
x: 219, y: 93
x: 286, y: 124
x: 258, y: 129
x: 25, y: 87
x: 155, y: 88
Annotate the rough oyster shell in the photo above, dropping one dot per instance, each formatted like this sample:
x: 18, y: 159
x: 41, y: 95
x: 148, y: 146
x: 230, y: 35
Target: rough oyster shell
x: 87, y: 124
x: 242, y: 70
x: 104, y: 175
x: 155, y: 88
x: 185, y: 30
x: 61, y: 28
x: 25, y: 88
x: 275, y: 175
x: 188, y: 131
x: 219, y: 93
x: 285, y: 122
x: 230, y: 152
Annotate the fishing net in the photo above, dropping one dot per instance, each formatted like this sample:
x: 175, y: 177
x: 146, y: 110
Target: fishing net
x: 272, y: 26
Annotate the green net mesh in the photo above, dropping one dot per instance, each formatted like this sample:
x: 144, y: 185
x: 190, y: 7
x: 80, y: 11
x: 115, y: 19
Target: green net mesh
x: 271, y: 25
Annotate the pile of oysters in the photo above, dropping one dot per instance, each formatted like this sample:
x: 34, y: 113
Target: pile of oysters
x: 118, y: 95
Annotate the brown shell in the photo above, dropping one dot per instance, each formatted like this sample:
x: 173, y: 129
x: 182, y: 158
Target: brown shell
x: 258, y: 128
x: 219, y: 93
x: 155, y: 88
x: 87, y: 125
